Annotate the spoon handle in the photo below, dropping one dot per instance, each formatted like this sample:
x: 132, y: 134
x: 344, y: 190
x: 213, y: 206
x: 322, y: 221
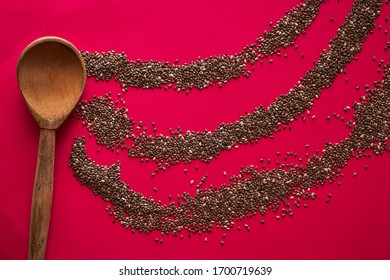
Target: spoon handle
x: 42, y: 195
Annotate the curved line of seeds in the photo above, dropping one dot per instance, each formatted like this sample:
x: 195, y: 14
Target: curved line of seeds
x: 250, y: 192
x: 242, y: 197
x: 202, y: 73
x: 112, y: 127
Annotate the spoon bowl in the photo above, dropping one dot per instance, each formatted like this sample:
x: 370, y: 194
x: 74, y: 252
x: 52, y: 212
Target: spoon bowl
x: 51, y: 76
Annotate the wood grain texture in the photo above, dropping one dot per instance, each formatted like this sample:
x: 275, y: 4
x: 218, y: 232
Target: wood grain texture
x: 42, y: 195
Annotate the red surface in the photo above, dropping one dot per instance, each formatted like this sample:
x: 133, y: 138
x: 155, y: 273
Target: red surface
x: 353, y: 226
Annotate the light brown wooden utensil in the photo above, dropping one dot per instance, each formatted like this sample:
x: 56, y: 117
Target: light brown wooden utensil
x: 51, y: 76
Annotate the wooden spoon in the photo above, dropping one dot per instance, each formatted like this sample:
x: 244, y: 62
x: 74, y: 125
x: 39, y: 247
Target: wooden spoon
x: 51, y: 76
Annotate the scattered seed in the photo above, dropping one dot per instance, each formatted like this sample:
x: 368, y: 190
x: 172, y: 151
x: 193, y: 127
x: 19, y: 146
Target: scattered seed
x: 199, y: 213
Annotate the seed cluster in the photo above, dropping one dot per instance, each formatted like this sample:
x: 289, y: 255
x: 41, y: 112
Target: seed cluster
x: 248, y: 193
x: 201, y: 73
x: 109, y: 125
x: 179, y: 147
x: 251, y: 192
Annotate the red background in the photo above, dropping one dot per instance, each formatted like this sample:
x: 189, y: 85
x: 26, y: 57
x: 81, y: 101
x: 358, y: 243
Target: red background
x: 354, y: 225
